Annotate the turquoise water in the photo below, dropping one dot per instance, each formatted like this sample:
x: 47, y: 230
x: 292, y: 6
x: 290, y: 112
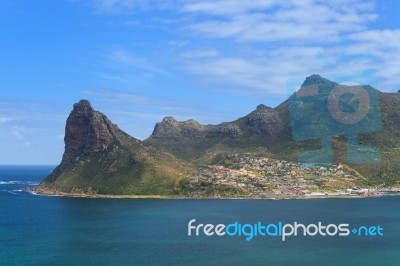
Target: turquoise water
x: 38, y: 230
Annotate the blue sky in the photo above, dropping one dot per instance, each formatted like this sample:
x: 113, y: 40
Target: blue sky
x: 138, y: 61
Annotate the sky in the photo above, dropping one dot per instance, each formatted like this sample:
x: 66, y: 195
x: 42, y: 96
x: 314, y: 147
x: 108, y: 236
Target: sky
x: 138, y: 61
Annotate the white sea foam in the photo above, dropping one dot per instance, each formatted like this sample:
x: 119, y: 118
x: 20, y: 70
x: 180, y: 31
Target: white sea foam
x: 29, y: 183
x: 10, y: 182
x: 32, y: 192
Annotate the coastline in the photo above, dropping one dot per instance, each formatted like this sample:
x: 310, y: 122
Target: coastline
x: 49, y: 193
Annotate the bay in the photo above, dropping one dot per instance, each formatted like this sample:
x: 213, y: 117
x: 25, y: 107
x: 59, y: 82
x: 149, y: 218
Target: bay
x: 42, y: 230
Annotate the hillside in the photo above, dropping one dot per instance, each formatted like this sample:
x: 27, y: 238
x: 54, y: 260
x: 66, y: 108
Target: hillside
x: 269, y: 131
x: 100, y: 158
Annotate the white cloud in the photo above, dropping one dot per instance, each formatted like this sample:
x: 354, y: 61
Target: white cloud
x: 228, y: 7
x: 139, y: 100
x: 18, y: 132
x: 258, y: 76
x: 119, y: 57
x: 383, y: 54
x: 300, y: 38
x: 117, y: 6
x: 253, y: 47
x: 200, y: 53
x: 304, y: 21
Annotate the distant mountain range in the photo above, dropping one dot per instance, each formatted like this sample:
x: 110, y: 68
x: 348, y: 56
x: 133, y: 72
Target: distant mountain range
x: 100, y: 158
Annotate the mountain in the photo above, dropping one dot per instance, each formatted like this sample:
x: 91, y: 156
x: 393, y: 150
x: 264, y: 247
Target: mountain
x: 100, y: 158
x: 269, y: 130
x: 312, y: 124
x: 200, y: 143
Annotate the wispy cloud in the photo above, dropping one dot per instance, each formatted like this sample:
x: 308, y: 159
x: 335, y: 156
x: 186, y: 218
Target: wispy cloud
x: 258, y: 76
x: 383, y: 48
x: 18, y: 132
x: 279, y: 20
x: 278, y: 40
x: 137, y: 113
x: 121, y: 56
x: 117, y: 6
x: 32, y: 111
x: 5, y: 119
x: 200, y: 53
x: 118, y: 64
x: 139, y: 100
x: 253, y: 47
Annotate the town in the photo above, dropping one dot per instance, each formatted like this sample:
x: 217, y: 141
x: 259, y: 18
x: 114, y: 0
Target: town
x: 246, y: 175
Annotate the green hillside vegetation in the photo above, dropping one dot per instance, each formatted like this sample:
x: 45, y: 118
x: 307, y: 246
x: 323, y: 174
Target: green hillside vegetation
x: 101, y: 159
x: 124, y: 167
x: 269, y: 129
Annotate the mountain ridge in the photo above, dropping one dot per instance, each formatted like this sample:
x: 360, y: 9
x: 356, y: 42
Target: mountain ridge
x: 100, y: 158
x: 269, y: 129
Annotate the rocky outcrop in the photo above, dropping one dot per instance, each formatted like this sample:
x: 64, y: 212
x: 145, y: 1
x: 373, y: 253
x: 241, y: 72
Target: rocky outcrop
x: 170, y: 128
x: 86, y: 130
x: 317, y: 80
x: 265, y: 121
x: 99, y: 158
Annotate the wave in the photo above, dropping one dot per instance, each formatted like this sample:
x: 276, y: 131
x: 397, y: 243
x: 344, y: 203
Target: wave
x: 17, y: 191
x: 10, y: 182
x: 32, y: 192
x: 29, y: 183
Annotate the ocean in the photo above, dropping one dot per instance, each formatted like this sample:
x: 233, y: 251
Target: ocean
x: 42, y: 230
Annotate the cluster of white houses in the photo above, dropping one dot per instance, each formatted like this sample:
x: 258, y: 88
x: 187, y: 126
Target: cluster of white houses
x: 266, y: 177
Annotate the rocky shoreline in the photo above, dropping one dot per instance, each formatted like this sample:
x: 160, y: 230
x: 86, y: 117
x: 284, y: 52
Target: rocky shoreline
x: 50, y: 193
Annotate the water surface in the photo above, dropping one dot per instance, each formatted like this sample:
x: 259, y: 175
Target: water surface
x: 41, y: 230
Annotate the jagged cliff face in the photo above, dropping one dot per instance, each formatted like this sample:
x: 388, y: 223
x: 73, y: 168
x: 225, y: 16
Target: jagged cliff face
x: 99, y: 158
x: 87, y: 130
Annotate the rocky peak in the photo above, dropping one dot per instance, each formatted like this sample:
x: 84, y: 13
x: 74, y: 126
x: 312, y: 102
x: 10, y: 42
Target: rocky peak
x: 169, y: 127
x: 169, y: 119
x: 317, y: 80
x: 263, y: 107
x: 86, y: 130
x: 265, y: 121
